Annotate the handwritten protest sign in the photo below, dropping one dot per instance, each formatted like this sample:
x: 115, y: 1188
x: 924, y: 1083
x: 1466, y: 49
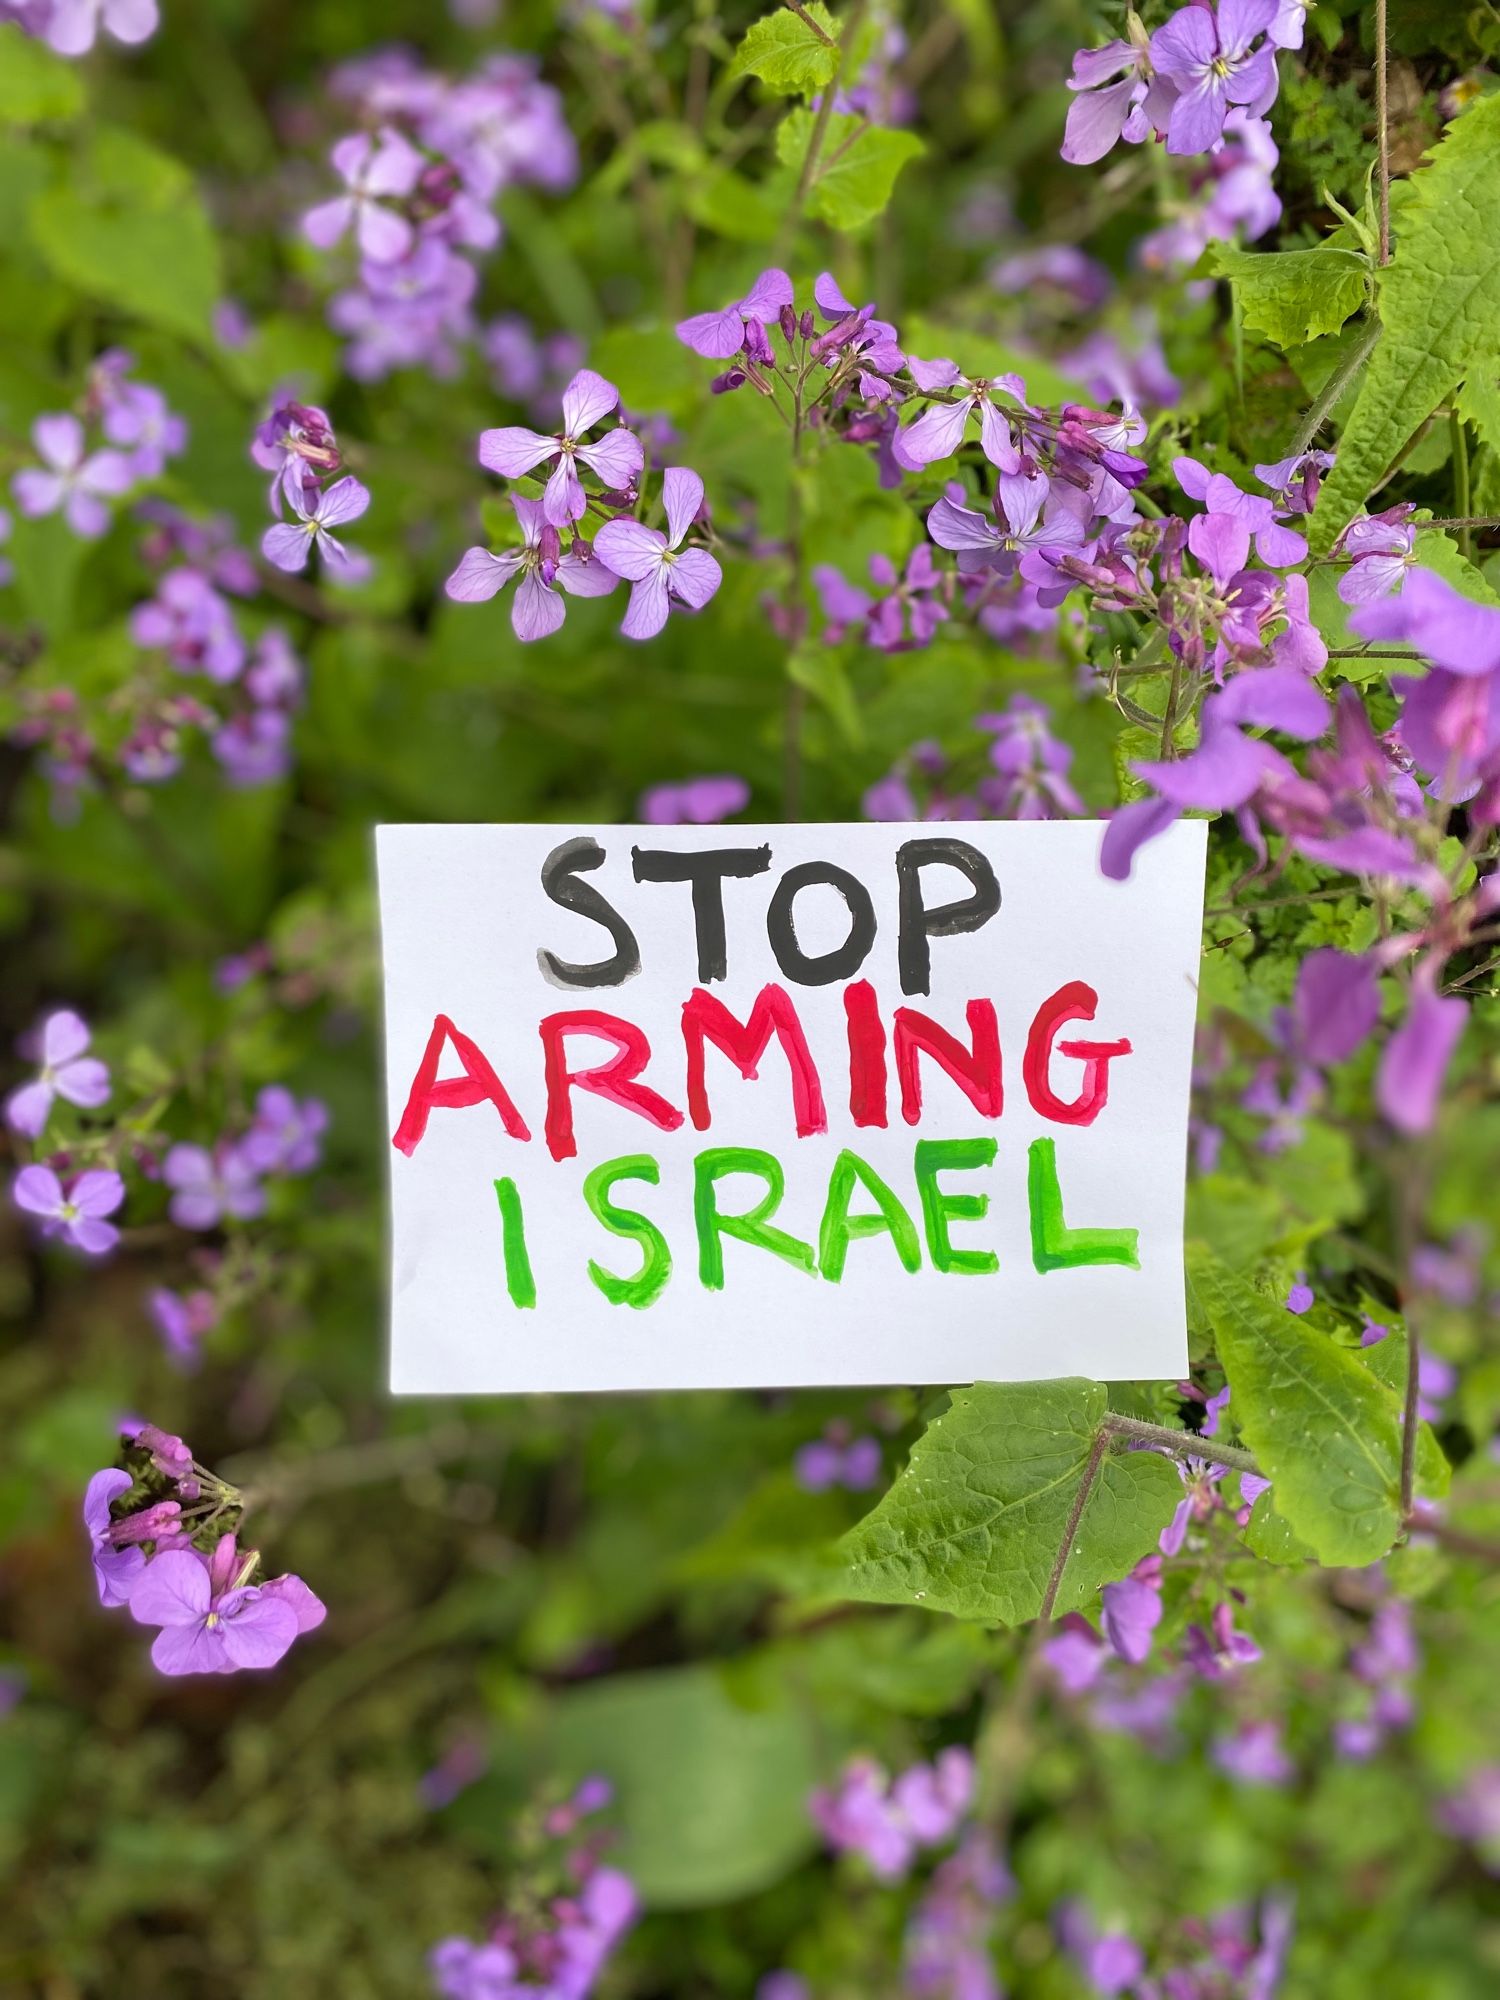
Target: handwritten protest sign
x: 709, y: 1106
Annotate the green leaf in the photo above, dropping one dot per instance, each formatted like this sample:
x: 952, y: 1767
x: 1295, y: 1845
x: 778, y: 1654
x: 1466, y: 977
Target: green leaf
x: 788, y: 54
x: 36, y: 86
x: 974, y: 1524
x: 1269, y: 1537
x: 1439, y: 308
x: 711, y: 1797
x: 127, y: 228
x: 1325, y: 1433
x: 824, y: 672
x: 857, y: 167
x: 1293, y: 296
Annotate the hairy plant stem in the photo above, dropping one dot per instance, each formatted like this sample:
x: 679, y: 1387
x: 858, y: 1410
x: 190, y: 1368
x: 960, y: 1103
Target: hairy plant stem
x: 1181, y: 1444
x: 1459, y: 436
x: 1383, y: 126
x: 1334, y: 387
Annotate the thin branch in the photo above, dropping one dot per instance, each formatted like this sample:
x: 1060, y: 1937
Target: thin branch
x: 807, y: 20
x: 1383, y: 125
x: 1181, y: 1444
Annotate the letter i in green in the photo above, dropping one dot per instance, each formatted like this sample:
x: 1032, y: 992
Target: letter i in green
x: 518, y: 1279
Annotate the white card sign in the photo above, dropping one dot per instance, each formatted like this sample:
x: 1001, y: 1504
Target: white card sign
x: 687, y: 1107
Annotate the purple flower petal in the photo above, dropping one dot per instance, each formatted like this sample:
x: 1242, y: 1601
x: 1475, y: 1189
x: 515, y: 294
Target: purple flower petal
x: 1416, y: 1059
x: 513, y: 451
x: 175, y: 1590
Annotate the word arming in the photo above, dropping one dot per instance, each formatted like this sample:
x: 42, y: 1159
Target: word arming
x: 974, y: 1066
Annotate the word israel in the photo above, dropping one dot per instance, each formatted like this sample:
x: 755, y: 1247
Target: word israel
x: 672, y: 1070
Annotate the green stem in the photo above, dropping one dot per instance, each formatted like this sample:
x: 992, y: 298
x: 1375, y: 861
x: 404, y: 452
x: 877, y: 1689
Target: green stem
x: 1334, y: 388
x: 1181, y: 1444
x: 1458, y: 432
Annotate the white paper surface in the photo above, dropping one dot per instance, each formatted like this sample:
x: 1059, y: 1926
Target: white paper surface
x: 464, y: 915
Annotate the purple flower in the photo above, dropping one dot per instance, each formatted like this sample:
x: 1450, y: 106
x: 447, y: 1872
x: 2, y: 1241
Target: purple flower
x: 1254, y: 1755
x: 1286, y: 30
x: 116, y: 1570
x: 295, y: 440
x: 286, y: 1137
x: 73, y: 25
x: 192, y: 624
x: 289, y: 546
x: 656, y: 565
x: 832, y: 1460
x: 1026, y: 523
x: 1301, y: 1297
x: 1130, y: 1611
x: 537, y: 610
x: 1380, y: 552
x: 939, y: 431
x: 77, y: 1214
x: 717, y: 335
x: 1218, y: 1651
x: 77, y: 484
x: 1276, y: 546
x: 375, y: 171
x: 66, y: 1072
x: 208, y: 1186
x: 137, y: 415
x: 254, y: 748
x: 1031, y: 766
x: 1207, y: 54
x: 616, y: 458
x: 696, y: 802
x: 1410, y: 1078
x: 210, y: 1620
x: 1451, y: 630
x: 1336, y: 1005
x: 1473, y: 1813
x: 182, y: 1322
x: 1121, y: 97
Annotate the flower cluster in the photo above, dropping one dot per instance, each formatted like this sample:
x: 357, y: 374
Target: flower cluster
x: 837, y: 1459
x: 74, y: 1211
x: 656, y: 564
x: 572, y: 1914
x: 226, y: 1181
x: 888, y: 1821
x: 80, y: 476
x: 1183, y: 82
x: 1026, y: 778
x: 1240, y: 1952
x: 420, y: 180
x: 162, y: 1536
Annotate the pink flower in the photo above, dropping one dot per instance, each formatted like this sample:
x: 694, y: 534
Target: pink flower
x: 77, y: 484
x: 289, y: 546
x: 77, y: 1214
x: 655, y: 564
x: 210, y: 1621
x: 717, y: 335
x: 374, y: 172
x: 73, y: 25
x: 65, y: 1072
x: 209, y: 1186
x: 116, y: 1570
x: 539, y: 563
x: 616, y: 458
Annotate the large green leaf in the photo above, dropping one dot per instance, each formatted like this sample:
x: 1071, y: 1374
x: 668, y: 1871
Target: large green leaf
x: 1439, y: 310
x: 1293, y: 296
x: 127, y: 228
x: 788, y: 54
x: 974, y: 1524
x: 711, y: 1796
x: 856, y: 169
x: 1325, y: 1432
